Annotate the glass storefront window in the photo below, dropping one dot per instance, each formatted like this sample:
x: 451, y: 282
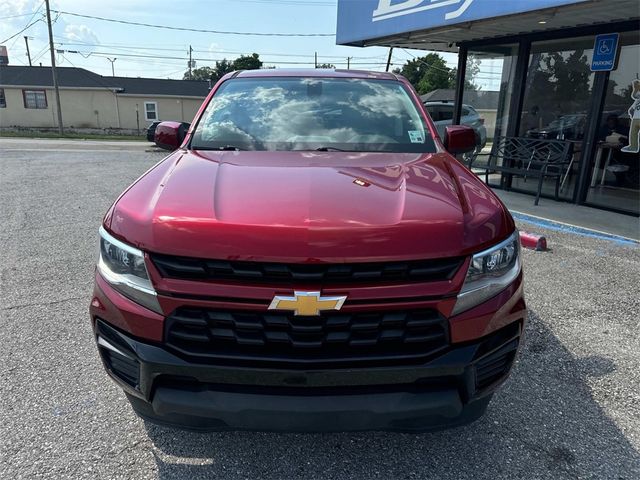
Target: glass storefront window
x: 557, y: 99
x: 614, y: 169
x: 489, y: 80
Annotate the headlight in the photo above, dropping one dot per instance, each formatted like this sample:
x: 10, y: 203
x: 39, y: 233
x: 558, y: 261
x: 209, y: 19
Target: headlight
x: 123, y: 267
x: 489, y: 273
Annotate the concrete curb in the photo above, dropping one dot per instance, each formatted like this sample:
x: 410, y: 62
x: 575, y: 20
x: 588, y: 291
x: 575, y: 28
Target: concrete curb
x: 573, y: 229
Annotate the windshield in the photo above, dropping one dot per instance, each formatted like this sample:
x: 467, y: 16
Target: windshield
x: 312, y: 114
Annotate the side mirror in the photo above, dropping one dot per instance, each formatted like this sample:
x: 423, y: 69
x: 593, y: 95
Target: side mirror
x: 169, y: 135
x: 459, y: 139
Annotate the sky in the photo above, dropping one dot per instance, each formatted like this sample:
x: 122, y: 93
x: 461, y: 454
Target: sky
x: 96, y: 40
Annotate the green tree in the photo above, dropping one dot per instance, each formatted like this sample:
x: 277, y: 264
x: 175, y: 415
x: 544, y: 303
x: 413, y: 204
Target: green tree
x: 211, y: 73
x: 202, y: 73
x: 428, y: 73
x: 559, y: 83
x: 326, y: 65
x: 472, y: 69
x: 222, y: 68
x: 247, y: 62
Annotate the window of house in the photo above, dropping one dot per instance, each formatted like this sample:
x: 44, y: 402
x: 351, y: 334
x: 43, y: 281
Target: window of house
x: 35, y: 98
x: 150, y: 111
x: 3, y: 99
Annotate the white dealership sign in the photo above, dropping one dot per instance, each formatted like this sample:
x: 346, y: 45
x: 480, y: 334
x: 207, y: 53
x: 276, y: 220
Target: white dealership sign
x: 387, y: 10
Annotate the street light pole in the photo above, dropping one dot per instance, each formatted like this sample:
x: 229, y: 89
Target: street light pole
x: 113, y: 72
x: 53, y: 69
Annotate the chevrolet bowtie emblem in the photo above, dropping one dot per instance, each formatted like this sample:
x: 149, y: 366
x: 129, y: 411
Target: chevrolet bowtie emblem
x: 306, y: 303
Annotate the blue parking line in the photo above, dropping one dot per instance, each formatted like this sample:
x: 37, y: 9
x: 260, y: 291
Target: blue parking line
x: 584, y: 232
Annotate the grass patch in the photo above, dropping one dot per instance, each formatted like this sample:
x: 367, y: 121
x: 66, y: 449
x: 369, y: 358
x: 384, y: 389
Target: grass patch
x: 74, y: 136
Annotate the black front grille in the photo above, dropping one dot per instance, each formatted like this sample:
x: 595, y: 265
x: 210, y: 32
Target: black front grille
x: 279, y: 273
x: 331, y: 337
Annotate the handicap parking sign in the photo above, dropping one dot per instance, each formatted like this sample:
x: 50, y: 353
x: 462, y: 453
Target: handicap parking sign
x: 605, y: 51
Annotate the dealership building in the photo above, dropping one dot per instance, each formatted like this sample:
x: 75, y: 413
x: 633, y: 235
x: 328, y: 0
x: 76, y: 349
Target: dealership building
x: 559, y: 69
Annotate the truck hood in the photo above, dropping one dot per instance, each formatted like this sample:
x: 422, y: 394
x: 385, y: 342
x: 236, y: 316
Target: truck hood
x: 309, y: 206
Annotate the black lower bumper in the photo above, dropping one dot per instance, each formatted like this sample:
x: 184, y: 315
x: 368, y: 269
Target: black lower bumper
x: 450, y: 390
x: 211, y: 410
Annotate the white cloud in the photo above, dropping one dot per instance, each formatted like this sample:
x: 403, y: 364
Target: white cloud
x: 80, y: 34
x: 18, y: 7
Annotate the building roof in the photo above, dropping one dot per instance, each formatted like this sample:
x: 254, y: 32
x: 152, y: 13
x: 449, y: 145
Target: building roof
x: 439, y: 95
x: 72, y: 77
x: 479, y: 99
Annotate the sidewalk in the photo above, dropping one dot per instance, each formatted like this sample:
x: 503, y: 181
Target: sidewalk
x: 68, y: 144
x: 600, y: 221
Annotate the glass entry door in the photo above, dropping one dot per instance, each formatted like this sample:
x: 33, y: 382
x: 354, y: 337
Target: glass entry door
x: 487, y: 96
x: 557, y: 99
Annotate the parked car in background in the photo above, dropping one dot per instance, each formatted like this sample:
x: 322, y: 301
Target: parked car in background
x: 151, y: 131
x: 442, y: 115
x: 564, y: 127
x: 303, y: 261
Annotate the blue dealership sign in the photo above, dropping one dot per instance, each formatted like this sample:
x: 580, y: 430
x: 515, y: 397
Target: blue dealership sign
x: 362, y: 20
x: 605, y: 50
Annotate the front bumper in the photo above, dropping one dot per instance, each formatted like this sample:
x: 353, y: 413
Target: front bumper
x: 450, y: 390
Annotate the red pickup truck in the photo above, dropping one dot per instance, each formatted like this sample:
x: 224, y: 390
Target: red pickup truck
x: 311, y: 257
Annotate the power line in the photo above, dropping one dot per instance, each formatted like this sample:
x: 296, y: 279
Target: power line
x: 197, y: 30
x: 28, y: 21
x: 413, y: 57
x: 447, y: 70
x: 162, y: 57
x: 25, y: 28
x: 232, y: 52
x: 15, y: 16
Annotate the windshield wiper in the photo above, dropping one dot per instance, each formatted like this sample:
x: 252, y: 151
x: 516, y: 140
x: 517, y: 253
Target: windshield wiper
x: 330, y: 149
x: 228, y: 148
x: 225, y: 148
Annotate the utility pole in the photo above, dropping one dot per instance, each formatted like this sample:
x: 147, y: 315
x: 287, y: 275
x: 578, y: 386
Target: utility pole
x: 316, y: 60
x: 53, y: 69
x: 113, y: 72
x: 26, y: 41
x: 389, y: 59
x: 190, y: 63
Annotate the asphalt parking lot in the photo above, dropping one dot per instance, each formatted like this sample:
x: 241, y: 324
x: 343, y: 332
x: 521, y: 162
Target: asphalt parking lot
x: 571, y: 408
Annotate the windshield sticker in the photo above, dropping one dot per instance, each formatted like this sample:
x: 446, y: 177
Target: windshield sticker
x: 416, y: 136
